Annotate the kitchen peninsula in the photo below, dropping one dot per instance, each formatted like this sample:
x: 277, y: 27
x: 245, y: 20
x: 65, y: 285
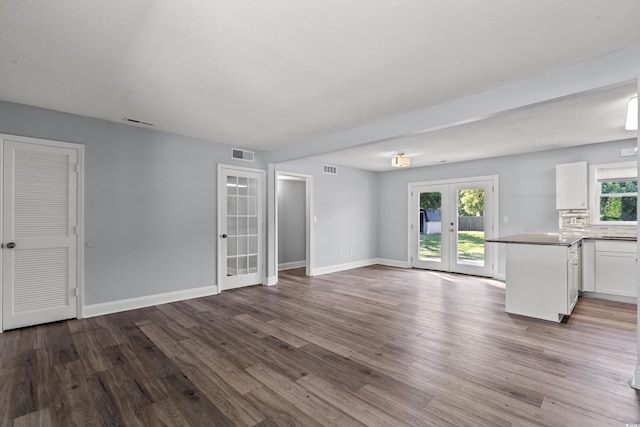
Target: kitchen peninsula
x: 542, y: 274
x: 545, y: 272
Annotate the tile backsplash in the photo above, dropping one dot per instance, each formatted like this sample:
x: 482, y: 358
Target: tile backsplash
x: 578, y: 222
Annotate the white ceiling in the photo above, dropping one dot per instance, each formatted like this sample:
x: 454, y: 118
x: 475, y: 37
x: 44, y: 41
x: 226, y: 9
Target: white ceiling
x: 268, y: 74
x: 587, y: 118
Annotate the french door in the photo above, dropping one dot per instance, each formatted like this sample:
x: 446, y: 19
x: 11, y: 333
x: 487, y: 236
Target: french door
x: 41, y: 187
x: 450, y: 224
x: 240, y: 227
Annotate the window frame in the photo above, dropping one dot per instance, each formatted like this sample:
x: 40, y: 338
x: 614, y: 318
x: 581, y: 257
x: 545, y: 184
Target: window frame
x: 623, y: 171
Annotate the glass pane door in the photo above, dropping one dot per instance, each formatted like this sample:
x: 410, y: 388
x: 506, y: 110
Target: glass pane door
x: 470, y: 236
x: 430, y: 226
x: 452, y: 222
x: 431, y: 231
x: 240, y: 226
x: 471, y: 223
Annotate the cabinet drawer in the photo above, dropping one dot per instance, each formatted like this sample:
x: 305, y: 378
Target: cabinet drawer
x: 630, y: 247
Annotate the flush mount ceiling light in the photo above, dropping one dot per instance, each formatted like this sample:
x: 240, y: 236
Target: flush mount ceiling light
x: 400, y: 161
x: 632, y: 114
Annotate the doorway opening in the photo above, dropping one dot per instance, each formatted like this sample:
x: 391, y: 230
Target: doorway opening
x: 293, y: 220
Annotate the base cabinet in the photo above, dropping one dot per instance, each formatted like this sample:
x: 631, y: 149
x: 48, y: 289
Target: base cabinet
x: 616, y: 268
x: 542, y: 281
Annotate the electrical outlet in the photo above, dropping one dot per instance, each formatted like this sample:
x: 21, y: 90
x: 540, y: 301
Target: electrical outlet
x: 506, y: 219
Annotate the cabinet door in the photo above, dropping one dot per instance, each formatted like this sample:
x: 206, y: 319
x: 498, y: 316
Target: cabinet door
x: 616, y: 273
x: 571, y: 186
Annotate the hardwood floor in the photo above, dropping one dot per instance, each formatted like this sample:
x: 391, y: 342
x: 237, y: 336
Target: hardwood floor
x: 370, y: 346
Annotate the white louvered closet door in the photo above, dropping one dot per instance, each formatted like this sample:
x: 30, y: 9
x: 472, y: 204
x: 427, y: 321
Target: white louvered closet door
x: 39, y: 231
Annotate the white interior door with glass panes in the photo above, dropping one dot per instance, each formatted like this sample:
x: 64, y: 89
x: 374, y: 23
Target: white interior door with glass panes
x: 451, y: 223
x: 241, y: 227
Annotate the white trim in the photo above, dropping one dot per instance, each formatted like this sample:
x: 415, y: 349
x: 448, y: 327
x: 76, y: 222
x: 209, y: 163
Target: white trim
x: 500, y: 276
x: 308, y: 179
x: 594, y: 192
x: 271, y: 280
x: 80, y: 213
x: 291, y: 265
x: 101, y: 309
x: 393, y: 263
x: 455, y: 181
x: 341, y: 267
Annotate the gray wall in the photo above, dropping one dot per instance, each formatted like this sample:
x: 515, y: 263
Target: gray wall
x: 291, y: 221
x: 526, y: 191
x: 150, y: 202
x: 345, y: 207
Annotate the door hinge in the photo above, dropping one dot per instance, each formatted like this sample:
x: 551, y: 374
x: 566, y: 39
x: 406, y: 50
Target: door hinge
x: 73, y: 292
x: 73, y: 229
x: 73, y: 167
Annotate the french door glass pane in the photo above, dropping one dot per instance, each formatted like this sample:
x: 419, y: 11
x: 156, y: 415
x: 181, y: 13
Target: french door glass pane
x: 242, y: 225
x: 430, y: 226
x: 470, y: 242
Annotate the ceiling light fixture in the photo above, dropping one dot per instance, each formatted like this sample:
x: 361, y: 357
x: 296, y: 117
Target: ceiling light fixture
x: 400, y: 161
x: 632, y: 114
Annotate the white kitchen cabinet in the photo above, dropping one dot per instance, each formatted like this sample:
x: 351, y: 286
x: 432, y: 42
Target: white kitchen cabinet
x: 542, y: 281
x: 616, y: 267
x: 572, y: 186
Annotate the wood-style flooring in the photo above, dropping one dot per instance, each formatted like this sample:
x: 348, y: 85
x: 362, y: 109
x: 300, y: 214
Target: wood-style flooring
x: 375, y: 346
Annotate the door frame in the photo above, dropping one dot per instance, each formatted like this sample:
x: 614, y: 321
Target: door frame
x: 308, y: 180
x: 262, y: 226
x: 80, y: 213
x: 411, y: 217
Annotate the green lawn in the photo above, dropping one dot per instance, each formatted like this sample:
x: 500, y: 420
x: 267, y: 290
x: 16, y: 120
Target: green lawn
x: 470, y: 245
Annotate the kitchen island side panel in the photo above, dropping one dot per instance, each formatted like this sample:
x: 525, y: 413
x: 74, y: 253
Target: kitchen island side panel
x: 536, y: 281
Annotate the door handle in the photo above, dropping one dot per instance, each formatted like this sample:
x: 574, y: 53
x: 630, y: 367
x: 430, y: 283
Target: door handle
x: 224, y: 236
x: 11, y: 245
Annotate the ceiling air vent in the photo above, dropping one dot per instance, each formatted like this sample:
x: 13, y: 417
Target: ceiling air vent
x: 136, y: 121
x: 330, y: 170
x: 238, y: 154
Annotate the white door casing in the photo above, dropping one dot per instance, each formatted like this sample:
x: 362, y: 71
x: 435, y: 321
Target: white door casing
x: 450, y: 257
x: 240, y: 227
x: 42, y: 252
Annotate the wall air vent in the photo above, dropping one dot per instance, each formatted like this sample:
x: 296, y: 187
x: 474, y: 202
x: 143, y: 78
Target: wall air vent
x: 238, y: 154
x: 330, y: 170
x: 136, y: 121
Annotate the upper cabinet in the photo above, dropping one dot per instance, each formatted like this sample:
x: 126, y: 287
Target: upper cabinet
x: 572, y: 186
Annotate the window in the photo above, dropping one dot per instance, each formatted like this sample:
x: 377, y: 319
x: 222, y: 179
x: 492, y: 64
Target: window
x: 614, y: 193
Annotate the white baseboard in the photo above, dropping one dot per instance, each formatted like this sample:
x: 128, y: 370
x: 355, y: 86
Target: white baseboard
x: 609, y: 297
x: 271, y: 280
x: 292, y: 265
x: 93, y: 310
x: 341, y: 267
x: 500, y: 276
x: 393, y: 263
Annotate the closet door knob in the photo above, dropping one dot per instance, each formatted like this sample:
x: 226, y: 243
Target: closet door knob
x: 11, y: 245
x: 224, y: 236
